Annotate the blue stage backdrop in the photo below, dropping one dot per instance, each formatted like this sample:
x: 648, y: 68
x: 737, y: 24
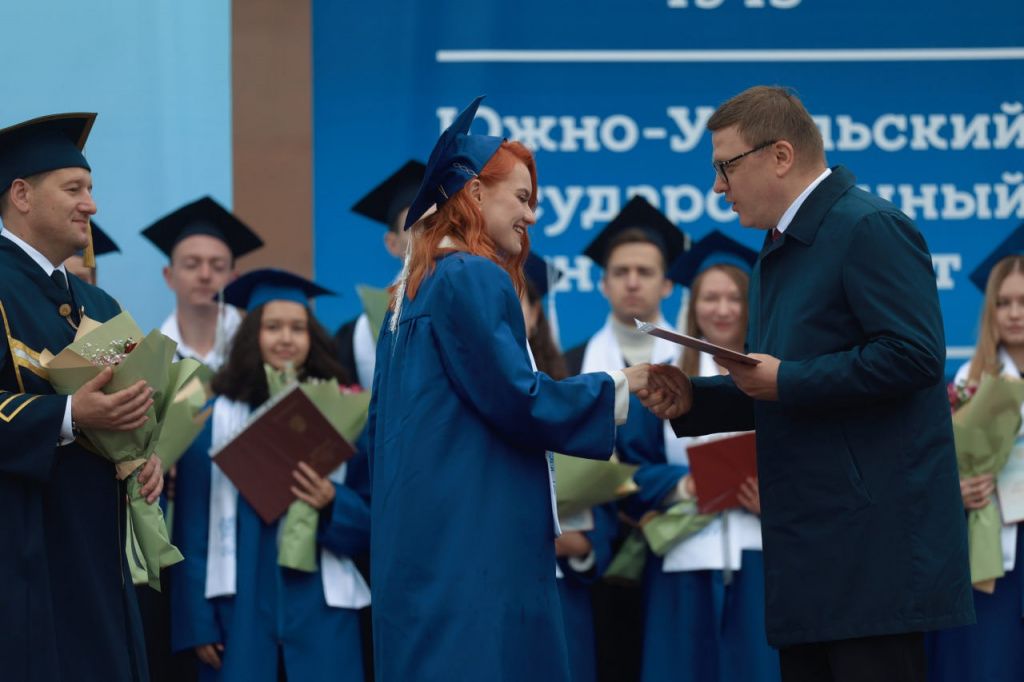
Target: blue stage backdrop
x: 922, y: 100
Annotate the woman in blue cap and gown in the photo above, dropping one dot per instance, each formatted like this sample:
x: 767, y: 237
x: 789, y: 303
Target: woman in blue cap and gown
x: 704, y: 599
x: 992, y: 650
x: 463, y: 495
x: 246, y: 617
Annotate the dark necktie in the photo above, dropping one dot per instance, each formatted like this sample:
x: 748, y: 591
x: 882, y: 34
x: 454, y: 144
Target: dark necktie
x: 60, y: 280
x: 775, y: 233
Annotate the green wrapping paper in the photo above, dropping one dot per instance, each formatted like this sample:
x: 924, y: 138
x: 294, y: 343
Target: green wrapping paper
x: 661, y: 532
x: 375, y: 305
x: 586, y: 483
x: 985, y: 429
x: 347, y: 412
x: 95, y: 347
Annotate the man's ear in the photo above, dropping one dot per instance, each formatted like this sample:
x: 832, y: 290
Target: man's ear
x: 19, y: 195
x: 784, y: 157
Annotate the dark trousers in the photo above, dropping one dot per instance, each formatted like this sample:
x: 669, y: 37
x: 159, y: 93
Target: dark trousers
x: 887, y: 658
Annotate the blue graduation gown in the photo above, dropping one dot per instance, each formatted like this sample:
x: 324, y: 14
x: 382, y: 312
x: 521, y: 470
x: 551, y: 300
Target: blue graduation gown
x: 275, y: 611
x: 992, y: 650
x: 696, y: 628
x: 574, y: 592
x: 66, y: 598
x: 462, y: 551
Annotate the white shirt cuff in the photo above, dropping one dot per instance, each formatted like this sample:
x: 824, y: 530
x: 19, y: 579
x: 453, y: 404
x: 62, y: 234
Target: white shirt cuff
x: 621, y: 396
x: 66, y: 433
x: 582, y: 564
x: 678, y: 494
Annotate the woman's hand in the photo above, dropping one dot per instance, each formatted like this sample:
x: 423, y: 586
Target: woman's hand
x: 572, y: 543
x: 750, y: 496
x: 210, y: 654
x: 311, y: 487
x: 976, y: 491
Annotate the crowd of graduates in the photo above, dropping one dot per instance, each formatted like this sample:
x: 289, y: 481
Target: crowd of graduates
x: 229, y: 611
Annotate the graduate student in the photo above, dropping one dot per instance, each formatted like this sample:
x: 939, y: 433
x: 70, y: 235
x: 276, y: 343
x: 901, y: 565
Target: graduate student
x: 68, y: 611
x: 992, y: 650
x: 203, y: 242
x: 102, y: 244
x: 247, y: 618
x: 704, y: 600
x: 463, y: 512
x: 386, y: 204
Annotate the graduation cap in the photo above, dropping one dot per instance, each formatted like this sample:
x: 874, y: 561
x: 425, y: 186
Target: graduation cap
x: 714, y: 249
x: 639, y: 214
x: 205, y: 217
x: 255, y: 288
x: 540, y: 273
x: 1011, y: 246
x: 101, y: 241
x: 43, y: 144
x: 384, y: 202
x: 457, y: 158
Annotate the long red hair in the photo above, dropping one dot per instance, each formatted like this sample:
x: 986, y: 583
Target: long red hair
x: 461, y: 220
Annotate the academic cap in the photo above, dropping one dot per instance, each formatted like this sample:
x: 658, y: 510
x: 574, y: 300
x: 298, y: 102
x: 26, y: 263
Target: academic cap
x: 639, y: 214
x: 384, y: 202
x: 101, y: 241
x: 1012, y: 245
x: 540, y: 273
x: 257, y: 287
x: 43, y: 144
x: 457, y: 158
x: 207, y: 217
x: 714, y: 249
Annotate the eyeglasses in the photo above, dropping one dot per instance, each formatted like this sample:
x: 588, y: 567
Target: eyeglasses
x: 722, y: 166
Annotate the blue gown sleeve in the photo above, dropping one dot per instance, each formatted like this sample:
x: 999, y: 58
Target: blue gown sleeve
x: 345, y: 528
x: 193, y: 618
x: 641, y: 441
x: 890, y: 286
x: 478, y: 325
x: 605, y: 526
x: 29, y: 427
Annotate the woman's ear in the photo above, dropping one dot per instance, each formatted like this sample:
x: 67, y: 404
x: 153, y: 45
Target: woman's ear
x: 475, y: 188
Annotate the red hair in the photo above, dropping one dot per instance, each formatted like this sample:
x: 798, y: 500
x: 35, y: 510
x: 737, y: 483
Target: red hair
x: 461, y: 220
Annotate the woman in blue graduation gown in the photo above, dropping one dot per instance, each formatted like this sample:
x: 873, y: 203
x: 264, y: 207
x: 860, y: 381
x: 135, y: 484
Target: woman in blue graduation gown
x: 704, y: 600
x: 992, y: 650
x: 462, y: 554
x: 246, y: 617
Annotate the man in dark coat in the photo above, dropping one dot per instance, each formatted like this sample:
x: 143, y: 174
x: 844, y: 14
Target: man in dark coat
x: 864, y: 535
x: 66, y: 596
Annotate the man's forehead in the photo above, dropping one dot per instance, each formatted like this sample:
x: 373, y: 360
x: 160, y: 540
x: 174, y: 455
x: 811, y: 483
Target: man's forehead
x: 726, y: 139
x: 201, y: 246
x: 633, y: 254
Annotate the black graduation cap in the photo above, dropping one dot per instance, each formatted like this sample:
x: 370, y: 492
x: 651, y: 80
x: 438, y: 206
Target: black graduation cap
x: 207, y: 217
x: 639, y: 214
x: 385, y: 201
x: 43, y: 144
x: 101, y: 241
x: 540, y: 273
x: 1012, y: 245
x: 714, y: 249
x: 257, y: 287
x: 456, y: 159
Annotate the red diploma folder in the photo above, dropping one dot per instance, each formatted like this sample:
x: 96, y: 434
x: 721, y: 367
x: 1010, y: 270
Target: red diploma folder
x: 719, y: 467
x: 284, y: 431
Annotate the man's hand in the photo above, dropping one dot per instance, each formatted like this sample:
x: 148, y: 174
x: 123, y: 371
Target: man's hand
x: 668, y: 394
x: 760, y: 381
x: 151, y: 478
x: 124, y: 410
x: 210, y: 654
x: 572, y: 543
x: 750, y: 496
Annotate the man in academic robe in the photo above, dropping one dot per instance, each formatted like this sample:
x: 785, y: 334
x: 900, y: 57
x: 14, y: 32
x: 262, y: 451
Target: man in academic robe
x: 66, y: 595
x: 864, y: 535
x: 202, y: 241
x: 635, y: 250
x: 386, y: 204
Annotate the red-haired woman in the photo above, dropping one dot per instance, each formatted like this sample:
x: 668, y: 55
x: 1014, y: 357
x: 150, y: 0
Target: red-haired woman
x: 462, y: 494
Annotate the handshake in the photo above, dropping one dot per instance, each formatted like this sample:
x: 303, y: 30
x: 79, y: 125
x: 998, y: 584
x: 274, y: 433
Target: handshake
x: 663, y: 389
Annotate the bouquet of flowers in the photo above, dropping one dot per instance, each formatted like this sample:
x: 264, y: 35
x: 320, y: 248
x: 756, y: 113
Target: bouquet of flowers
x: 587, y: 483
x: 986, y: 420
x: 347, y: 411
x: 119, y: 343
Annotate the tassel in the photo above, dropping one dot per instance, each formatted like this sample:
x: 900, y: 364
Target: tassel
x: 89, y: 253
